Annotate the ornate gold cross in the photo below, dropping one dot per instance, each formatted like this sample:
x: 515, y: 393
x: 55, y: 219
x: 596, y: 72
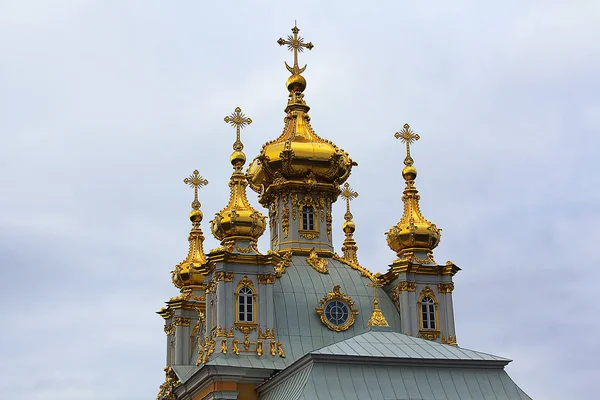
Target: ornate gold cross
x: 295, y: 44
x: 408, y: 137
x: 238, y: 120
x: 348, y: 194
x: 195, y: 181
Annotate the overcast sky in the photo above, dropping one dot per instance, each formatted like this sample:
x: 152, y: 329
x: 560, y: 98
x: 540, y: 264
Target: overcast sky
x: 106, y: 106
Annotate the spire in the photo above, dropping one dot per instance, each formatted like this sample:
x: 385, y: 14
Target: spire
x: 377, y: 318
x: 349, y: 248
x: 296, y: 82
x: 191, y: 271
x: 238, y: 223
x: 413, y: 232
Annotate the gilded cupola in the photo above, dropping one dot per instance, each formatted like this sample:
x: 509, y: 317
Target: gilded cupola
x: 413, y: 232
x: 191, y: 271
x: 238, y: 225
x: 298, y: 157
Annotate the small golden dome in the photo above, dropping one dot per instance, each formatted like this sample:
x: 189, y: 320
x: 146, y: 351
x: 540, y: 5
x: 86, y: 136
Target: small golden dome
x: 296, y: 83
x: 238, y: 220
x: 413, y: 231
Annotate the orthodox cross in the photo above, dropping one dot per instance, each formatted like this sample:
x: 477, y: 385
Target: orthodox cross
x: 238, y: 120
x: 348, y: 194
x: 408, y: 137
x: 295, y: 44
x: 195, y: 181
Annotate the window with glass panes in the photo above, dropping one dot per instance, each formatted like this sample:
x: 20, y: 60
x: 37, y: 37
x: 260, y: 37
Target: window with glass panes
x: 428, y: 312
x: 308, y: 218
x: 245, y: 305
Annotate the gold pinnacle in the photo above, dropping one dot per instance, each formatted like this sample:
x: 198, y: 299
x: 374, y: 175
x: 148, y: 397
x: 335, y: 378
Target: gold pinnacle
x: 238, y: 120
x: 348, y: 194
x: 296, y: 44
x: 407, y: 136
x: 195, y: 181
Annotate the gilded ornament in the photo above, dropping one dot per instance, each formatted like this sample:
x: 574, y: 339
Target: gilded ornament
x: 222, y: 332
x: 322, y: 208
x: 273, y: 348
x: 309, y: 235
x: 429, y: 335
x: 407, y: 286
x: 329, y: 219
x: 377, y: 318
x: 363, y: 271
x: 245, y: 282
x: 286, y: 259
x: 224, y: 346
x: 225, y: 276
x: 295, y: 44
x: 285, y: 217
x: 169, y: 329
x: 167, y: 389
x: 236, y: 347
x: 266, y: 279
x: 451, y: 340
x: 181, y: 321
x: 445, y: 287
x: 319, y: 264
x: 259, y: 348
x: 267, y: 334
x: 294, y: 205
x: 337, y: 294
x: 280, y: 352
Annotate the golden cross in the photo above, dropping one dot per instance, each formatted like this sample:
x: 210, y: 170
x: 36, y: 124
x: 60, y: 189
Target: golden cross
x: 238, y: 120
x: 408, y: 137
x: 195, y: 181
x: 348, y: 194
x: 295, y: 44
x: 375, y: 285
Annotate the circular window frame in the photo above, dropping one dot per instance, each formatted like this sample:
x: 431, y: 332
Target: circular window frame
x: 337, y: 296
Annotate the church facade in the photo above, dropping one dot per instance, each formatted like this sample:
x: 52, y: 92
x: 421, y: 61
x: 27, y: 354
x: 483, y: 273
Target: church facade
x: 301, y: 321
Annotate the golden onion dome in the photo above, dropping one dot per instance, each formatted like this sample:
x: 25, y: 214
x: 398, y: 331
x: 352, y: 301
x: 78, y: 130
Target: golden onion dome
x: 238, y: 220
x: 191, y: 271
x: 298, y: 155
x: 413, y: 231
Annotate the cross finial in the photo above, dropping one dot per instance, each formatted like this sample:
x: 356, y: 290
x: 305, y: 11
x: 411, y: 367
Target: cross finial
x: 238, y: 120
x: 348, y: 194
x: 195, y: 181
x: 408, y: 137
x: 296, y: 44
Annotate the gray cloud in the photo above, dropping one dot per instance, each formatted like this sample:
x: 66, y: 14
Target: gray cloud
x: 105, y: 108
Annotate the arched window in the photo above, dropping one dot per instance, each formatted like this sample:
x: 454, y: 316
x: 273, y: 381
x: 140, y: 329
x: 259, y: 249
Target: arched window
x: 308, y: 218
x: 428, y: 312
x: 245, y: 305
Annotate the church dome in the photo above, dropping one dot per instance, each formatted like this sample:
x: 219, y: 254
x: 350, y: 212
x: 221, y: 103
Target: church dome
x: 238, y: 220
x: 413, y: 231
x: 298, y: 156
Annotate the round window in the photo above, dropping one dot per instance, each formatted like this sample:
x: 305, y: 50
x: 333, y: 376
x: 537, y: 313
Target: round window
x: 337, y: 312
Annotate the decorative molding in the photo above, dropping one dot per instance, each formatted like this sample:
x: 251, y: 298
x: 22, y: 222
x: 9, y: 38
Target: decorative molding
x: 245, y: 282
x: 285, y: 217
x: 445, y: 287
x: 166, y: 390
x: 294, y: 205
x: 451, y: 340
x: 169, y: 329
x: 319, y: 264
x: 429, y: 334
x: 266, y: 279
x: 336, y: 294
x: 309, y: 235
x: 222, y: 332
x: 286, y: 259
x: 407, y: 286
x: 181, y: 321
x: 225, y: 276
x: 267, y: 334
